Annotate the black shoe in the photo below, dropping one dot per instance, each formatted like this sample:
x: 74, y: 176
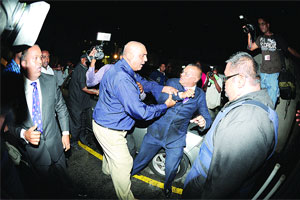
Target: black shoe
x: 167, y: 193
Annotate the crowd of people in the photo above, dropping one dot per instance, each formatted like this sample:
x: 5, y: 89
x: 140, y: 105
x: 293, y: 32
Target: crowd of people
x: 241, y: 135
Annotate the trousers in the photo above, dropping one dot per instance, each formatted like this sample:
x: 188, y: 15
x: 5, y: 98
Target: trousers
x: 78, y: 124
x: 148, y: 151
x: 270, y: 82
x: 117, y: 161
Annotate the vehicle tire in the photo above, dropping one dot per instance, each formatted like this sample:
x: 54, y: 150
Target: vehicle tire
x: 157, y: 165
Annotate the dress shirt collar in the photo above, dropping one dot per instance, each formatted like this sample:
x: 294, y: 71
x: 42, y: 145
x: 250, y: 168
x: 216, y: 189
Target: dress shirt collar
x: 28, y: 82
x: 193, y: 88
x: 127, y: 68
x: 49, y: 70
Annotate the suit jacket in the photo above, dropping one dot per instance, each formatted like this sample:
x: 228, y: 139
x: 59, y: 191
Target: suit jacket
x: 172, y: 126
x: 50, y: 147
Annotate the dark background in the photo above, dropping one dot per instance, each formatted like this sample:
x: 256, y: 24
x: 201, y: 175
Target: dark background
x: 184, y: 31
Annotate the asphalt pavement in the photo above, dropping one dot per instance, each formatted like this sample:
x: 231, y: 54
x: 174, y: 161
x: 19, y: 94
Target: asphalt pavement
x: 84, y: 168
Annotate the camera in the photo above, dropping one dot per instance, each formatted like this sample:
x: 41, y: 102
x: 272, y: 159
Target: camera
x: 99, y: 54
x: 99, y: 48
x: 248, y: 27
x: 211, y: 72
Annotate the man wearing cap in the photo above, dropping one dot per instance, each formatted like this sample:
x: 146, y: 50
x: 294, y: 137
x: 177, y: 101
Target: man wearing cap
x: 79, y: 101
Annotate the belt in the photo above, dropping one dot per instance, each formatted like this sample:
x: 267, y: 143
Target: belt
x: 109, y: 128
x: 114, y: 129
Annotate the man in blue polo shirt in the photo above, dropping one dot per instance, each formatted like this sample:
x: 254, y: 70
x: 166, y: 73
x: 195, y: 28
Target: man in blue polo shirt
x: 118, y: 106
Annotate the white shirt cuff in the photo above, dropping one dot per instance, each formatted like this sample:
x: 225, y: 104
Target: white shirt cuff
x: 22, y: 135
x: 65, y: 133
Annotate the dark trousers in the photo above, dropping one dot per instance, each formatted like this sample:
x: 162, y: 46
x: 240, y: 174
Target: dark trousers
x: 148, y: 151
x: 50, y: 181
x: 78, y: 124
x: 131, y: 144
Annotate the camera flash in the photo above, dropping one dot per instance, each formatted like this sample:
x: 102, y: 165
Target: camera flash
x: 241, y: 17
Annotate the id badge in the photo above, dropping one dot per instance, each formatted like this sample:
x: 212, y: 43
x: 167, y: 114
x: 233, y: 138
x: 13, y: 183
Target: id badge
x: 267, y: 57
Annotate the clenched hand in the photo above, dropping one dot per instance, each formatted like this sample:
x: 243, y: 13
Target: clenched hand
x: 32, y: 136
x: 170, y: 102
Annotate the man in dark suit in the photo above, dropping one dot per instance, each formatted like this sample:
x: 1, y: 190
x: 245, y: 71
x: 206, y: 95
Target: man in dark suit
x: 169, y: 131
x: 39, y: 131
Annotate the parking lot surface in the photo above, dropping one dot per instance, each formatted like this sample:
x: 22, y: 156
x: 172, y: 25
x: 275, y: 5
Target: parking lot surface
x: 84, y: 168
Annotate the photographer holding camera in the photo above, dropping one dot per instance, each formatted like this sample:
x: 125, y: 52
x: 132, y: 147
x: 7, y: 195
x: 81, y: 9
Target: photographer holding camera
x: 79, y: 100
x: 213, y: 88
x: 272, y: 48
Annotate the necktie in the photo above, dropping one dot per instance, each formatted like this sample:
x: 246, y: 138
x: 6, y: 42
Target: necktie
x: 185, y: 99
x: 36, y: 108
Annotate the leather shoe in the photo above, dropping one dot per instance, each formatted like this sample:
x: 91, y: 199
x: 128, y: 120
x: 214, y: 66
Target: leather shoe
x: 167, y: 193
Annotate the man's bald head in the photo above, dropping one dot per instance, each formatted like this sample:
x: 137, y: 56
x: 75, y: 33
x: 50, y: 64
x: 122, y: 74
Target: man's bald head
x: 190, y: 75
x: 135, y: 54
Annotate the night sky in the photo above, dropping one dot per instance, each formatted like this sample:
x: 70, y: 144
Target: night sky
x: 187, y: 31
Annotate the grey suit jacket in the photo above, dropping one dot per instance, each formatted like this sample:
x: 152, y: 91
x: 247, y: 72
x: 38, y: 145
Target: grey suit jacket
x: 50, y: 148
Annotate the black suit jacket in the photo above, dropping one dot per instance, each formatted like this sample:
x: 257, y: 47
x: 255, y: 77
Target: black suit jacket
x: 50, y: 148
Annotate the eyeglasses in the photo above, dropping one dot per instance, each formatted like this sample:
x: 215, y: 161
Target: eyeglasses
x: 228, y: 77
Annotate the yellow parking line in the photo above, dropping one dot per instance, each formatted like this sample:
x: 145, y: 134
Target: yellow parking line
x: 139, y: 177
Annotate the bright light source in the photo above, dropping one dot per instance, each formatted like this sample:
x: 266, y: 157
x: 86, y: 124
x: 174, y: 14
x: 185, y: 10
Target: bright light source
x: 115, y: 56
x: 32, y: 23
x: 241, y: 17
x: 107, y: 56
x: 103, y: 36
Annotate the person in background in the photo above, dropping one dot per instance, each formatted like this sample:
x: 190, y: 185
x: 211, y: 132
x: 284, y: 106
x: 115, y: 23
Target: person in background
x: 203, y: 76
x: 213, y: 88
x: 15, y: 65
x: 69, y: 68
x: 79, y: 102
x: 273, y: 47
x: 59, y: 74
x: 118, y: 106
x: 159, y: 74
x: 45, y: 63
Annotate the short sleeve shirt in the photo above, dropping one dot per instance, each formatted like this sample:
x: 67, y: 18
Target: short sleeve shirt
x: 272, y: 48
x: 213, y: 97
x: 77, y: 97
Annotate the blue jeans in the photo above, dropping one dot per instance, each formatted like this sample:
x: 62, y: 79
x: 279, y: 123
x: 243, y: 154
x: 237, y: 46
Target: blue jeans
x: 270, y: 82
